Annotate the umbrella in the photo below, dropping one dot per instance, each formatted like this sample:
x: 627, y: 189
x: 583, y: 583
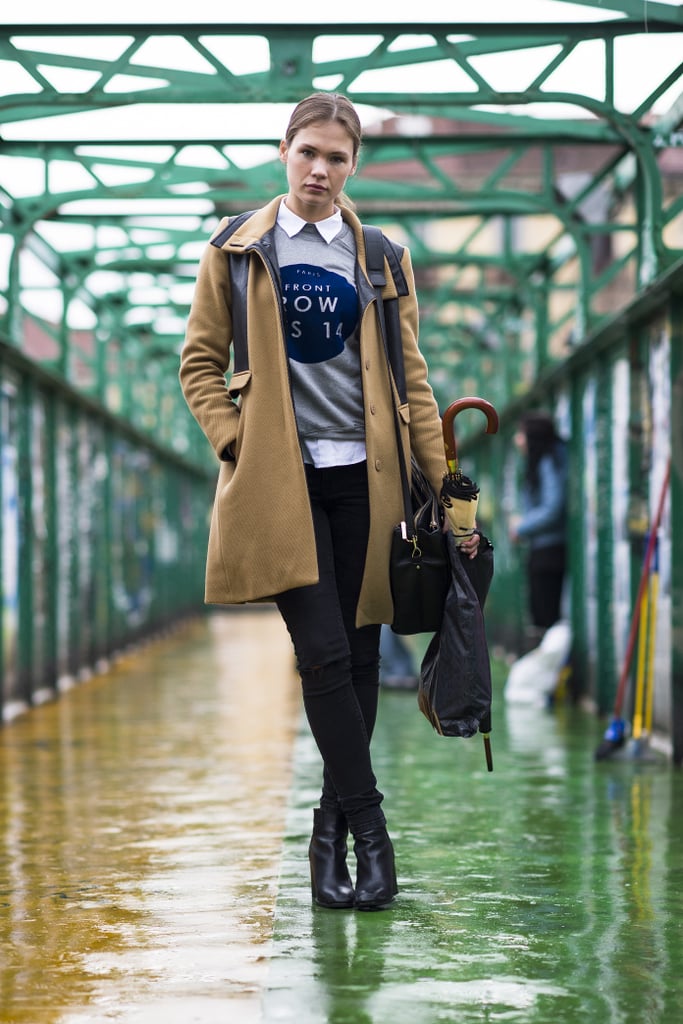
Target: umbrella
x: 454, y: 691
x: 459, y: 494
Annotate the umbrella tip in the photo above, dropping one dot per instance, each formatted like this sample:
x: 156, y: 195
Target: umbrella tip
x: 487, y: 751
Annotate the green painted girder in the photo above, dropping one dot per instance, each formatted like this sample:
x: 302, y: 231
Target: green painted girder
x: 240, y: 186
x: 291, y: 60
x: 381, y: 193
x: 460, y: 201
x: 379, y: 155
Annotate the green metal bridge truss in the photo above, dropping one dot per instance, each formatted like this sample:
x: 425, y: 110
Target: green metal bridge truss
x: 536, y: 202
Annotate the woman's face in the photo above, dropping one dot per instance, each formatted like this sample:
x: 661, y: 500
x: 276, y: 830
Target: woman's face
x: 318, y: 161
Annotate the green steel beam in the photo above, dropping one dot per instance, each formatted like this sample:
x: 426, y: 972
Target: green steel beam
x: 405, y: 180
x: 291, y: 57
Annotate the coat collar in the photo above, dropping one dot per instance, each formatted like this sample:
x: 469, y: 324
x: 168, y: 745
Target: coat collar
x: 253, y: 229
x: 263, y: 221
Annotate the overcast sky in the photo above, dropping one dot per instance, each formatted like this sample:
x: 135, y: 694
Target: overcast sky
x: 654, y: 55
x: 85, y: 12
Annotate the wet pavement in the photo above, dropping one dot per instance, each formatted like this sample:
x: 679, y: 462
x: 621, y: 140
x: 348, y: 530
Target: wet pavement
x: 141, y: 824
x: 153, y: 833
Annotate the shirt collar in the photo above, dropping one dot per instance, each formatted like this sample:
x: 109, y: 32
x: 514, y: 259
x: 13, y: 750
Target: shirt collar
x: 293, y: 224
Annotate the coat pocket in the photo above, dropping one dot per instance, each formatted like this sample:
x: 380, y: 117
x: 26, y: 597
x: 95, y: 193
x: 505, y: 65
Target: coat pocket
x: 238, y: 383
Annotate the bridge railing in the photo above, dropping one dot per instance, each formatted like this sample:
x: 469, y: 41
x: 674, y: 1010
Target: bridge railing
x: 102, y: 534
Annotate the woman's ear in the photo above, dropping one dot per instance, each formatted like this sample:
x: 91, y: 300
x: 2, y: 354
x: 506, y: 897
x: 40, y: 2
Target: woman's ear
x: 283, y: 152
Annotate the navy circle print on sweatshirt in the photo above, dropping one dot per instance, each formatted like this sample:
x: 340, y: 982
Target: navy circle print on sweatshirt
x: 321, y: 312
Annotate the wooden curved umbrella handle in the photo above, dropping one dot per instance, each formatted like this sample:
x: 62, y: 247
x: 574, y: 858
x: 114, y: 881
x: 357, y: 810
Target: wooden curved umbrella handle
x: 448, y: 429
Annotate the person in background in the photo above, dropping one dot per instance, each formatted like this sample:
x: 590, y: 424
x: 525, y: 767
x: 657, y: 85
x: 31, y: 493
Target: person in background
x: 542, y: 522
x: 309, y: 486
x: 397, y: 669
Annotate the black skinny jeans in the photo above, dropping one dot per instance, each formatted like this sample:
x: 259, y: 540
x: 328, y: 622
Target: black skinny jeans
x: 339, y: 664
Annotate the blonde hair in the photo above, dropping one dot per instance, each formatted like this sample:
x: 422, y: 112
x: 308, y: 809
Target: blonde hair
x: 319, y: 108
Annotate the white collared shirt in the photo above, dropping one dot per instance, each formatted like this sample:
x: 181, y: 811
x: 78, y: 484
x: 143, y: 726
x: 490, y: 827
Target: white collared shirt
x: 292, y: 223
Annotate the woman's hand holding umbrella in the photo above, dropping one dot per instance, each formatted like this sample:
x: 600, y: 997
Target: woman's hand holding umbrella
x: 469, y: 545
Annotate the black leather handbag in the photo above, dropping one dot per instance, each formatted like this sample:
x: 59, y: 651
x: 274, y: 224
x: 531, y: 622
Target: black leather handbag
x: 418, y: 568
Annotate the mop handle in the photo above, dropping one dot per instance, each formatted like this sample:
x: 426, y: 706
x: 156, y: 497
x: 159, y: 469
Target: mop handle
x: 652, y: 640
x: 447, y: 425
x: 652, y: 539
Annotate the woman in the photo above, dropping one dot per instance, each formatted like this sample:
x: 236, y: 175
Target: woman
x: 543, y: 521
x: 309, y: 487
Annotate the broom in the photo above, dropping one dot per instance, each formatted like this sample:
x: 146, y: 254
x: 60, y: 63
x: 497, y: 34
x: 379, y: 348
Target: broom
x: 616, y: 730
x: 644, y: 702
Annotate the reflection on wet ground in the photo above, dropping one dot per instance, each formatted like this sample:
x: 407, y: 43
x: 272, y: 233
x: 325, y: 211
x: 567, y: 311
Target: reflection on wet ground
x: 141, y: 822
x: 549, y: 891
x: 144, y: 876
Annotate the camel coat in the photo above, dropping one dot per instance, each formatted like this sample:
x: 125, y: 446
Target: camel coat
x: 261, y: 538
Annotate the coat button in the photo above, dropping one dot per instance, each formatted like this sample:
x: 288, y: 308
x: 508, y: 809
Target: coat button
x: 367, y: 364
x: 372, y: 409
x: 378, y: 464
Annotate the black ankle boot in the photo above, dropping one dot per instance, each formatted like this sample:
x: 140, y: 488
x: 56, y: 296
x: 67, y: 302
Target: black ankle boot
x: 331, y: 884
x: 376, y: 878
